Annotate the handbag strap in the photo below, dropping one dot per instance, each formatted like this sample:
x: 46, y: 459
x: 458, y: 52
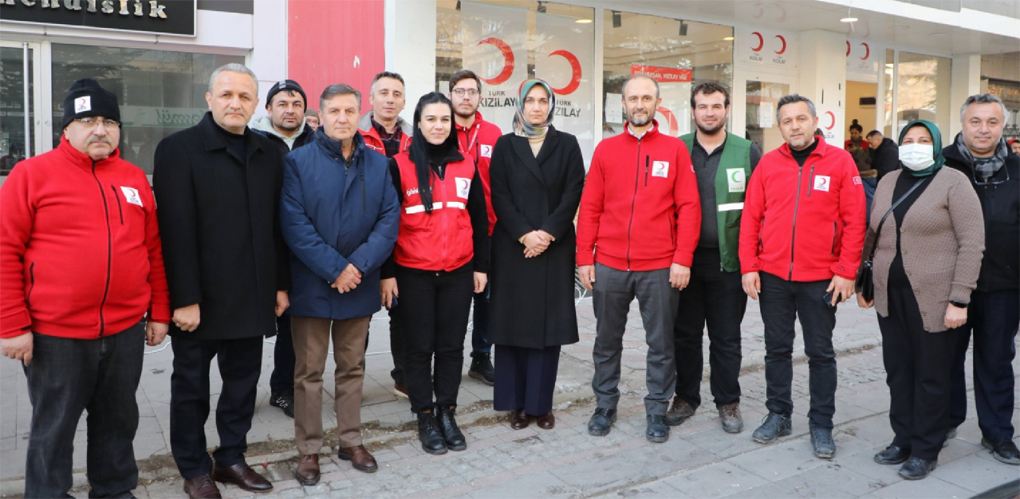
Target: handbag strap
x: 891, y: 208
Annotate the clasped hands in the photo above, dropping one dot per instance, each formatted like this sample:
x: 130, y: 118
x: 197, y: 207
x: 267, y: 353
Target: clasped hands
x: 536, y: 242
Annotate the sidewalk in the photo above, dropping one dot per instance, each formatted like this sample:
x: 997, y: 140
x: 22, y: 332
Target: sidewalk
x: 699, y: 461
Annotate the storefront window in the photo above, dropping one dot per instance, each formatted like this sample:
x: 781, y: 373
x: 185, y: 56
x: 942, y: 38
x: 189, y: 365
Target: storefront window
x: 160, y: 92
x: 922, y: 91
x: 678, y: 54
x: 762, y: 102
x: 12, y: 107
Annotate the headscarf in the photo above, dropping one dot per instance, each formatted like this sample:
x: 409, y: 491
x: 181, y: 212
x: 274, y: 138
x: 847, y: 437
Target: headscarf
x: 936, y: 140
x: 521, y: 126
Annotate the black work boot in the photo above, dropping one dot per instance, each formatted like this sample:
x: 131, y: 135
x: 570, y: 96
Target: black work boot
x: 429, y: 434
x: 448, y: 426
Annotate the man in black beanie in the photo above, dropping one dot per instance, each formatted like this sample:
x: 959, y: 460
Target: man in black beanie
x: 73, y: 298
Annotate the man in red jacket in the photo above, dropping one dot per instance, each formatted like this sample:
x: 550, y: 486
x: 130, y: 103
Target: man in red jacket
x: 639, y: 223
x: 81, y: 266
x: 801, y: 237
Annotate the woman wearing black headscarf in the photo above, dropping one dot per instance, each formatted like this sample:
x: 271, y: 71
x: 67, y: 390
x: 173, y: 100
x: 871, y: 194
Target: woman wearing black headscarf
x: 537, y: 174
x: 438, y: 262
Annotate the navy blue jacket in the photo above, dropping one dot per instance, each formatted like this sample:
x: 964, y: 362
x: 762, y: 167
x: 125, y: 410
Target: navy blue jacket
x: 333, y: 213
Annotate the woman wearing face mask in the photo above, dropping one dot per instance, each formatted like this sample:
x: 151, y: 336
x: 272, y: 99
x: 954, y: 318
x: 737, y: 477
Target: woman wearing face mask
x: 926, y: 263
x: 537, y: 174
x: 438, y: 262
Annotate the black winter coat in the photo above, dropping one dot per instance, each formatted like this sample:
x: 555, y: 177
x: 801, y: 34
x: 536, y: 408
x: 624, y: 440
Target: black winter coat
x: 219, y: 221
x: 886, y: 157
x: 532, y: 299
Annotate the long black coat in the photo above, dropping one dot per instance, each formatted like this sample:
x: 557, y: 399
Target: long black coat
x: 532, y: 300
x: 219, y: 221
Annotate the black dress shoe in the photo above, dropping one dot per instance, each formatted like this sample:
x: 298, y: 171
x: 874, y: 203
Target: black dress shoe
x: 601, y: 422
x: 658, y: 430
x: 243, y: 476
x: 893, y: 454
x: 448, y: 426
x: 916, y: 468
x: 431, y: 438
x: 518, y: 419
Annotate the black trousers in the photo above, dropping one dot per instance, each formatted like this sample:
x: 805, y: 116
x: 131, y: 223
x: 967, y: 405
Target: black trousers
x: 480, y: 345
x: 282, y: 379
x: 917, y: 365
x: 994, y: 318
x: 783, y: 302
x: 433, y: 312
x: 240, y: 363
x: 396, y: 345
x: 717, y: 298
x: 525, y: 378
x: 68, y: 376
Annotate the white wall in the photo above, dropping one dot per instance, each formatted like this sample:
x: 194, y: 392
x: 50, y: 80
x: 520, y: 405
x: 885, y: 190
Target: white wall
x: 823, y: 80
x: 268, y: 58
x: 410, y: 46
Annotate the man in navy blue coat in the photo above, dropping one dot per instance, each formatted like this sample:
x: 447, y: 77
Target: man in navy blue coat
x: 339, y: 215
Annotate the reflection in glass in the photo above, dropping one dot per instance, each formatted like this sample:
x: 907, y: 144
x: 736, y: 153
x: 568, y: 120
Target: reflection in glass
x: 762, y: 126
x: 922, y: 91
x: 12, y: 107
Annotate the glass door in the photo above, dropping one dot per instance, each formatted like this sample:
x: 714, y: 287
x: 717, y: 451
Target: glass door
x: 762, y: 124
x: 19, y: 67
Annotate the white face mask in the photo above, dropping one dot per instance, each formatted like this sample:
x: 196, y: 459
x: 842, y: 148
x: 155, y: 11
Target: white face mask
x: 917, y: 156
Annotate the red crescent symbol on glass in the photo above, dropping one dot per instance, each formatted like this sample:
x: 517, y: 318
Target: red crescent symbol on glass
x: 848, y: 48
x: 832, y: 117
x: 761, y: 42
x: 780, y: 51
x: 674, y: 127
x: 575, y: 68
x: 508, y: 61
x: 867, y: 52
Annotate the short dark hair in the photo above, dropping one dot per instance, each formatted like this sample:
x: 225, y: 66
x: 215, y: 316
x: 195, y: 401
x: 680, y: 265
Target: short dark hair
x: 856, y: 126
x: 709, y: 88
x: 793, y: 99
x: 463, y: 75
x: 386, y: 74
x: 873, y: 133
x: 338, y: 89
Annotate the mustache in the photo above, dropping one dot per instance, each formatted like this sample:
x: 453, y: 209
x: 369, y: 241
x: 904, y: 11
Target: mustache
x: 96, y: 138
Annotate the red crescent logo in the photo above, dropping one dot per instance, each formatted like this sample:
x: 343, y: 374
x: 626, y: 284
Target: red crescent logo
x: 761, y: 42
x: 674, y: 127
x: 848, y: 48
x: 780, y: 51
x: 508, y: 61
x: 832, y: 117
x: 575, y: 68
x: 867, y: 51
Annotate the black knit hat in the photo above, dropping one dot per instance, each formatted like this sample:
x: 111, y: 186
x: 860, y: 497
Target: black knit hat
x: 285, y: 85
x: 86, y: 98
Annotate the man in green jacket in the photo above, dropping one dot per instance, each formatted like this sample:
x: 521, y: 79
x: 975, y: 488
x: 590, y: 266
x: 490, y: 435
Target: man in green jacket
x: 722, y: 163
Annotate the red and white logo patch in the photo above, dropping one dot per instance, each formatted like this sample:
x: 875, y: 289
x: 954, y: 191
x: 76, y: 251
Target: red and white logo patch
x: 857, y: 180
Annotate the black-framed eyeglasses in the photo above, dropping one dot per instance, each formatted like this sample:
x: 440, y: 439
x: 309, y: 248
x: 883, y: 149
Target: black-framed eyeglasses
x: 93, y: 121
x: 992, y: 180
x: 460, y: 92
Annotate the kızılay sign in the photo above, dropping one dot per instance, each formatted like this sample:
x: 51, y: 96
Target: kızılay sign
x: 169, y: 17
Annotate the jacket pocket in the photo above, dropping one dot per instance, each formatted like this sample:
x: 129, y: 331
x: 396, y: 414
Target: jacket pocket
x: 31, y: 284
x: 120, y: 207
x: 834, y: 232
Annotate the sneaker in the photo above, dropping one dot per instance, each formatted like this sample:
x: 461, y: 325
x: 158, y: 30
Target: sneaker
x: 285, y: 402
x: 729, y: 416
x: 916, y: 468
x: 679, y: 411
x: 481, y: 368
x: 821, y: 441
x: 1004, y: 451
x: 774, y: 426
x: 658, y: 430
x: 601, y: 422
x: 400, y: 391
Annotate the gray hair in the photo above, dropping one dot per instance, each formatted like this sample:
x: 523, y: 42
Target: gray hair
x: 983, y: 99
x: 338, y: 89
x: 793, y: 99
x: 634, y: 77
x: 386, y: 74
x: 233, y: 68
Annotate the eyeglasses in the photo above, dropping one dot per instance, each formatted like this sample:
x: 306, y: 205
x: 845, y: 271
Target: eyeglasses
x: 460, y: 92
x: 91, y: 122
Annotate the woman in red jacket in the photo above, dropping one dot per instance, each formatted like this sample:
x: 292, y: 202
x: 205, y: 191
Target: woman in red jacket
x: 439, y: 261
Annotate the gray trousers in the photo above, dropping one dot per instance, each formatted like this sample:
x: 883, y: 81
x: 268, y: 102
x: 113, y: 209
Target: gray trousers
x: 613, y: 292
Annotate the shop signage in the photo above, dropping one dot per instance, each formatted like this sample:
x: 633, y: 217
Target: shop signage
x: 766, y: 47
x: 661, y: 74
x: 565, y: 58
x: 675, y: 90
x: 494, y: 47
x: 861, y: 57
x: 171, y: 17
x: 160, y: 117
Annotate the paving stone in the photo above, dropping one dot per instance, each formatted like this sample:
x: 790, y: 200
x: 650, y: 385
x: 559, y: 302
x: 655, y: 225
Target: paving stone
x: 715, y: 480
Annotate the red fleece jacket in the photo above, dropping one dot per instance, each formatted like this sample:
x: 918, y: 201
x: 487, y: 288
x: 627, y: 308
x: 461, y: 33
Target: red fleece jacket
x: 804, y: 223
x: 80, y: 253
x: 640, y: 208
x: 478, y: 140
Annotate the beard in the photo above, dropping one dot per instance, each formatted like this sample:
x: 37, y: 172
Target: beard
x: 465, y: 114
x: 282, y: 125
x: 711, y: 131
x: 640, y: 121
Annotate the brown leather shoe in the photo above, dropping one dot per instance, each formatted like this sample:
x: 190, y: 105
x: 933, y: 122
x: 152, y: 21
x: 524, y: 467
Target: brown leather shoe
x: 518, y: 419
x: 307, y: 472
x: 201, y: 487
x: 729, y: 416
x: 679, y: 411
x: 243, y: 476
x: 359, y: 458
x: 546, y: 421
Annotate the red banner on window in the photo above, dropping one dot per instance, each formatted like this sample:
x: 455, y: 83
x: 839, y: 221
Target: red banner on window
x: 661, y: 74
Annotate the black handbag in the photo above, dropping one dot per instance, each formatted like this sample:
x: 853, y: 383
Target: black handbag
x: 865, y: 281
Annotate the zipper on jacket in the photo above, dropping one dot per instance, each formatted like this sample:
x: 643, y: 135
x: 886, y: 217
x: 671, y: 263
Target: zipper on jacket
x: 796, y: 206
x: 834, y: 228
x: 633, y: 200
x: 31, y: 284
x: 812, y: 188
x: 363, y: 202
x: 120, y: 209
x: 109, y: 250
x: 646, y: 171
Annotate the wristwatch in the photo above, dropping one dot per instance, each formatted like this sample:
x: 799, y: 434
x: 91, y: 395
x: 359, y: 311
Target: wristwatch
x: 957, y: 304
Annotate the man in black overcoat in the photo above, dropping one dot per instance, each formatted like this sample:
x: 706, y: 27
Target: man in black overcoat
x: 218, y: 188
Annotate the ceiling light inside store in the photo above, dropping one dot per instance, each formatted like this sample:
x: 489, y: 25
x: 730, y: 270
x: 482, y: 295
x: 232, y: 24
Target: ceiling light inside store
x: 683, y: 28
x: 541, y: 7
x: 617, y: 19
x: 583, y: 21
x: 728, y: 39
x: 848, y: 20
